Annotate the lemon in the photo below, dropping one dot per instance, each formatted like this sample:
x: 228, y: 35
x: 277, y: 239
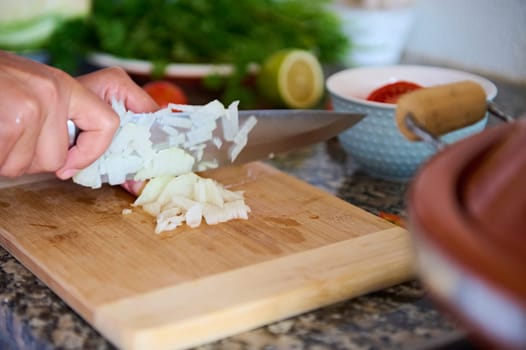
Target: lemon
x: 291, y: 78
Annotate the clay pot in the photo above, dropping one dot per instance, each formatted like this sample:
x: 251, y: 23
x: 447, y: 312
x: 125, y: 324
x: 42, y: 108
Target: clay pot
x: 467, y: 214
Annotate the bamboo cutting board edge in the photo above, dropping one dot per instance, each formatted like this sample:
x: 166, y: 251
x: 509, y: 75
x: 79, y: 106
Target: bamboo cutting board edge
x: 270, y: 291
x: 380, y: 244
x: 58, y: 285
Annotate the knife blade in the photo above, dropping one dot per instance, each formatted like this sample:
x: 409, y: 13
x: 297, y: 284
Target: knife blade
x: 275, y: 131
x: 280, y: 131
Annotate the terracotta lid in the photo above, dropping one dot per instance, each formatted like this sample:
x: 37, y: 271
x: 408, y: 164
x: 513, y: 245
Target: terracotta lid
x: 470, y: 202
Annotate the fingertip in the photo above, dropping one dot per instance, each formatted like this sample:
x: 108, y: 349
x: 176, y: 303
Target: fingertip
x: 142, y: 102
x: 66, y: 173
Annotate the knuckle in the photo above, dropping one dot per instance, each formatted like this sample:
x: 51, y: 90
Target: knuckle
x: 29, y: 113
x: 116, y: 73
x: 28, y: 118
x: 111, y: 124
x: 25, y: 117
x: 50, y: 84
x: 49, y: 162
x: 10, y: 170
x: 49, y: 166
x: 41, y: 161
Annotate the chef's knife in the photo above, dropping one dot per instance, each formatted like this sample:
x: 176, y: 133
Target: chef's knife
x: 275, y: 132
x: 279, y: 131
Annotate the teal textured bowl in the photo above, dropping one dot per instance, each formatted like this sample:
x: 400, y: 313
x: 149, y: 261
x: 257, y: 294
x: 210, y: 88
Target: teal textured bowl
x: 375, y: 144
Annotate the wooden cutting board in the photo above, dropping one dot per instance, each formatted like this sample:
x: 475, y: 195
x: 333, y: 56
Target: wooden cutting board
x: 301, y: 249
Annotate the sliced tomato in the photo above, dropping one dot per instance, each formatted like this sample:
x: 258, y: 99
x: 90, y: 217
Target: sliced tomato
x: 164, y: 92
x: 390, y: 93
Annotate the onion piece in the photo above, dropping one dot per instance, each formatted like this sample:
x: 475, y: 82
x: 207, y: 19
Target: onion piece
x: 169, y: 220
x: 188, y: 199
x: 89, y: 176
x: 151, y: 192
x: 148, y: 145
x: 230, y: 121
x: 170, y: 161
x: 194, y: 215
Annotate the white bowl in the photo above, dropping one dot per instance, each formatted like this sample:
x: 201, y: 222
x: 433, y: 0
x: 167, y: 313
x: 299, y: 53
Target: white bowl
x: 375, y: 144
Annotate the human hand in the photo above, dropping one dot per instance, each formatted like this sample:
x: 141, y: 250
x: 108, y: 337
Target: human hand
x: 35, y: 104
x: 106, y: 84
x: 114, y: 82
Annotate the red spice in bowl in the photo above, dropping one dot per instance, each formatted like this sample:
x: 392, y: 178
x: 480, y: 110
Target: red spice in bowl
x: 390, y: 93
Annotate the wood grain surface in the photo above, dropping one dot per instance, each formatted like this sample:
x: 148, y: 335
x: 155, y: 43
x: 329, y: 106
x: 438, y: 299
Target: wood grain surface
x: 300, y: 249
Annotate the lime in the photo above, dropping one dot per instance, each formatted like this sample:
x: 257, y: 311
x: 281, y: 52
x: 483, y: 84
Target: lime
x: 292, y: 78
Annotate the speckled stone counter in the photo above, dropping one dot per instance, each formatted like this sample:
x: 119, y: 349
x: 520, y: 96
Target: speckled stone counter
x: 400, y: 317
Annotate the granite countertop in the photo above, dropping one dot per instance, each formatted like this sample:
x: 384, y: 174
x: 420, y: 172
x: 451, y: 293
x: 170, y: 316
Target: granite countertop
x: 400, y: 317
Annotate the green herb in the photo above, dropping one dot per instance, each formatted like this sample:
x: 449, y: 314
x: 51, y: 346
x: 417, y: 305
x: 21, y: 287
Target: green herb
x: 203, y: 31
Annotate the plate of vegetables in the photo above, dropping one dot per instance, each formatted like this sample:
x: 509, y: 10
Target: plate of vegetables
x: 196, y: 38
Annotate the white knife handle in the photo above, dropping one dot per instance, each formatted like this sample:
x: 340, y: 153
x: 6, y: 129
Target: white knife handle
x: 73, y: 132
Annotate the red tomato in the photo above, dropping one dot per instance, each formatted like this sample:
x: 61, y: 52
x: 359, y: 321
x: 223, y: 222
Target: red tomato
x: 390, y: 93
x: 164, y: 92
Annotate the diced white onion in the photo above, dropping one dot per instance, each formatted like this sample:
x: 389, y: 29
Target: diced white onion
x: 170, y: 130
x: 89, y: 176
x: 197, y: 136
x: 169, y: 220
x: 118, y: 167
x: 207, y: 164
x: 187, y: 199
x: 247, y: 126
x: 194, y: 215
x: 176, y: 140
x: 236, y: 148
x: 217, y: 142
x: 230, y: 121
x: 148, y: 145
x: 170, y: 161
x: 177, y: 122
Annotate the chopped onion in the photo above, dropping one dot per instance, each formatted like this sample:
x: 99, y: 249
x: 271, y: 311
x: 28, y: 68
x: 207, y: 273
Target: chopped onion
x: 194, y: 215
x: 89, y: 176
x: 207, y: 164
x: 165, y: 147
x: 170, y: 141
x: 241, y: 138
x: 188, y: 199
x: 170, y: 161
x: 176, y: 140
x: 151, y: 192
x: 217, y: 142
x: 178, y: 122
x: 169, y: 220
x: 230, y: 122
x: 247, y: 126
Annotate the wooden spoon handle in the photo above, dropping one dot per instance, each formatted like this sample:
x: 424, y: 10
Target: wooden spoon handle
x: 442, y: 108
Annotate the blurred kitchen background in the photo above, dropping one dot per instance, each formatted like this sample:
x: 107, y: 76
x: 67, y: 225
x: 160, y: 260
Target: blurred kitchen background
x: 484, y: 36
